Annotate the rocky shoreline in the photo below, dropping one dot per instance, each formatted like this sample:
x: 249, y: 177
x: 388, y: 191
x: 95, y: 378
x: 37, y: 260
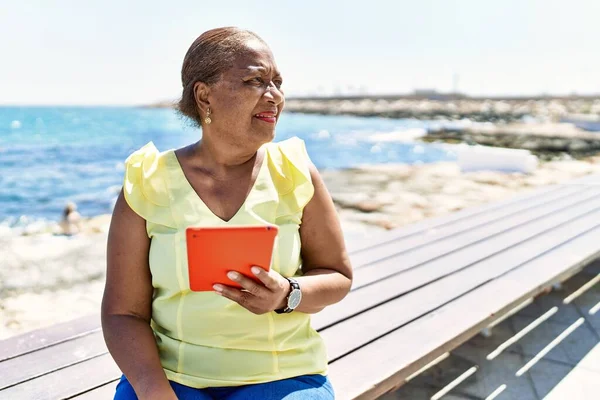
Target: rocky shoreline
x: 450, y: 107
x: 543, y: 139
x: 547, y: 127
x: 389, y: 196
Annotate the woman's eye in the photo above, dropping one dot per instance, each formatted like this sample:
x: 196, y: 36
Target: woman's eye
x: 261, y: 81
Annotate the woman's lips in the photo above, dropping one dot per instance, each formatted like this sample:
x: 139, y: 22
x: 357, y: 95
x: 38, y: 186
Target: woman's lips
x: 268, y: 119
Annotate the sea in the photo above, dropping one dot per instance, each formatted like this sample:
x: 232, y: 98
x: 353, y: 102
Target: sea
x: 52, y: 155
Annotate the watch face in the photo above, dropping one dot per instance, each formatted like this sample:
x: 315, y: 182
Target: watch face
x: 294, y: 299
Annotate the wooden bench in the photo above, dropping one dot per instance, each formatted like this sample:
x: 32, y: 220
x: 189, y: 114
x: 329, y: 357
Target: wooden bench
x: 419, y: 292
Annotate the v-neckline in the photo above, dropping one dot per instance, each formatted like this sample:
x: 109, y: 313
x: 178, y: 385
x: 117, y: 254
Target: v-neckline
x: 193, y: 191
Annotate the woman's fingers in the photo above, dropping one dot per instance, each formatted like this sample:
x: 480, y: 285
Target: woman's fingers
x: 244, y: 299
x: 257, y: 297
x: 248, y: 284
x: 271, y: 279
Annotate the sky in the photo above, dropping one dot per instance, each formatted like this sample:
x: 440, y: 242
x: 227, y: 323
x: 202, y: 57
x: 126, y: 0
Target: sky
x: 122, y: 52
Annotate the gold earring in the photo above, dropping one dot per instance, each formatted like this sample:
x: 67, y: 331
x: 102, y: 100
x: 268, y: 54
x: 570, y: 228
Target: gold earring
x: 207, y: 120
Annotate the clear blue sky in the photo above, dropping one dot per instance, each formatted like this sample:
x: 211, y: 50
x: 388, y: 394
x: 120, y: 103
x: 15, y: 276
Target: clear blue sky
x: 130, y: 51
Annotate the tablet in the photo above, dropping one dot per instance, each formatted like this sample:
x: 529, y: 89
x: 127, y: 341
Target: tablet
x: 214, y: 251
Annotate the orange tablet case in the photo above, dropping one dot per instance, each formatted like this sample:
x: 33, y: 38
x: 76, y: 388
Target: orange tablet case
x: 214, y: 251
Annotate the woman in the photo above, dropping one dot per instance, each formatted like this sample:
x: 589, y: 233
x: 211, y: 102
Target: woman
x: 228, y: 344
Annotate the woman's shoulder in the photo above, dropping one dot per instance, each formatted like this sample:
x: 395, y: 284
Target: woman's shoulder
x: 290, y: 144
x: 145, y: 182
x: 148, y: 156
x: 290, y: 170
x: 290, y: 151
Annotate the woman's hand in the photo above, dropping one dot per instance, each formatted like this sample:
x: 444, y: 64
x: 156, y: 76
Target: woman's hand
x: 256, y: 297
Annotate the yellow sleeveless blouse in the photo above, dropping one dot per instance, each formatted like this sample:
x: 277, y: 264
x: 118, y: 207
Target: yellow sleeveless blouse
x: 203, y: 339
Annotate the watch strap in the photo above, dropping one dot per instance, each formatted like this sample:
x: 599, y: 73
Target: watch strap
x: 294, y: 285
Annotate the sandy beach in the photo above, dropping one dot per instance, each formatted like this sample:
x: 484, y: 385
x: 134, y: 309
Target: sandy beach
x: 49, y: 278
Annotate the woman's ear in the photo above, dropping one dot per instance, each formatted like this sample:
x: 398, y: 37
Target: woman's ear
x: 201, y: 91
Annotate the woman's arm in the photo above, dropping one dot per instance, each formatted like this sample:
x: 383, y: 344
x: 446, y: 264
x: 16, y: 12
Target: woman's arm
x: 126, y: 305
x: 325, y: 264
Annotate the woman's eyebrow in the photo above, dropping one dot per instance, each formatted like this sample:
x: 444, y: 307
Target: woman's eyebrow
x: 262, y: 70
x: 256, y: 69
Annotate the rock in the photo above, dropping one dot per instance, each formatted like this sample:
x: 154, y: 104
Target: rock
x: 12, y: 324
x: 571, y: 168
x: 367, y: 206
x: 442, y: 170
x: 446, y: 203
x: 458, y: 186
x: 539, y: 137
x: 396, y: 187
x: 413, y: 200
x: 348, y: 199
x: 99, y: 224
x: 386, y: 224
x: 489, y: 177
x: 390, y: 171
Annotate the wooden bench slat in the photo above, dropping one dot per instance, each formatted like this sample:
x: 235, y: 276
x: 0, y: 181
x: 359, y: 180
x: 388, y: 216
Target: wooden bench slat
x: 444, y: 246
x: 40, y: 338
x: 383, y: 364
x: 353, y: 333
x: 104, y: 392
x: 409, y: 279
x: 431, y: 235
x: 442, y: 221
x: 49, y: 359
x: 66, y: 382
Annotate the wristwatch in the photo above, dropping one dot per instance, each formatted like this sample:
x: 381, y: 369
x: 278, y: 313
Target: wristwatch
x: 293, y: 299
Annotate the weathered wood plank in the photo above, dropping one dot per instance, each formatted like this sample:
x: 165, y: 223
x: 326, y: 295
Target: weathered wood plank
x: 383, y: 364
x: 104, y: 392
x: 380, y: 269
x: 353, y: 333
x: 49, y: 359
x: 38, y: 339
x: 66, y: 382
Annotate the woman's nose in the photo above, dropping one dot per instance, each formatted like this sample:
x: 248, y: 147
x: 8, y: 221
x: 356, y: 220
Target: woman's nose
x: 274, y: 95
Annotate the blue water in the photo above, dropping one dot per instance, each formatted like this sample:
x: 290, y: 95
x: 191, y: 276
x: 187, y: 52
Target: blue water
x: 51, y: 155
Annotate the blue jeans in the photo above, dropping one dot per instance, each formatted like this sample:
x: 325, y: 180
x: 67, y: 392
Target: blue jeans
x: 304, y: 387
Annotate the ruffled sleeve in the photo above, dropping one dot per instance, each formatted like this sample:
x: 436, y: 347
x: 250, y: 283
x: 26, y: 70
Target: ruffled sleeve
x: 291, y: 176
x: 145, y: 187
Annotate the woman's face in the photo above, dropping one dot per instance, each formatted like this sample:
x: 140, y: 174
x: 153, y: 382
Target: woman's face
x: 247, y: 101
